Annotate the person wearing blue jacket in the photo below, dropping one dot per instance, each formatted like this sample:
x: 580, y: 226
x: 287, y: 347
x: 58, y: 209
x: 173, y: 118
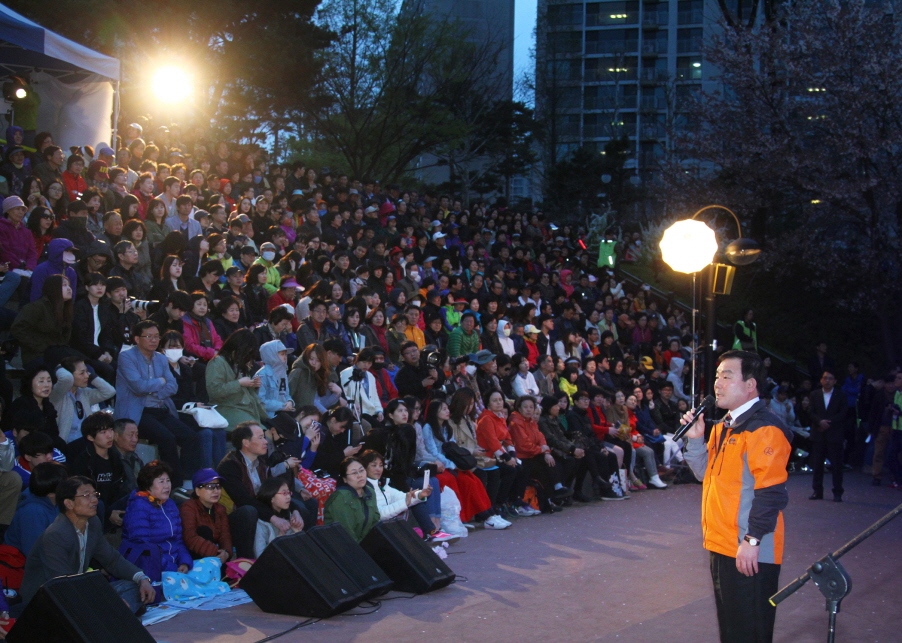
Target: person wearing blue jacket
x: 274, y: 378
x: 60, y: 261
x: 144, y: 390
x: 152, y: 525
x: 37, y: 507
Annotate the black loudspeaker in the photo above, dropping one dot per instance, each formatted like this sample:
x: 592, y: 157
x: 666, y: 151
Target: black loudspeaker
x: 294, y: 577
x: 344, y: 551
x: 78, y: 609
x: 406, y: 559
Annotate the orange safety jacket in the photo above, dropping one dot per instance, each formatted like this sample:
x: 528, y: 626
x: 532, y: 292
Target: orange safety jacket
x: 743, y: 470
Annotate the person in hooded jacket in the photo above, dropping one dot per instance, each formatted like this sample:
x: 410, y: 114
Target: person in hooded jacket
x: 37, y: 507
x: 273, y: 377
x: 675, y: 377
x: 75, y: 227
x: 504, y: 338
x: 60, y: 261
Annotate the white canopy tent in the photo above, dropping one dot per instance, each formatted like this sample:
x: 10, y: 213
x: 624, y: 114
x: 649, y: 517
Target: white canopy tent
x: 78, y: 87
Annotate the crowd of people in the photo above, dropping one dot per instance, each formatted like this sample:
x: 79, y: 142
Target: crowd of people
x: 304, y: 346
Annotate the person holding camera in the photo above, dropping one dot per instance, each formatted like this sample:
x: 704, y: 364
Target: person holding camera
x: 360, y: 388
x: 417, y: 377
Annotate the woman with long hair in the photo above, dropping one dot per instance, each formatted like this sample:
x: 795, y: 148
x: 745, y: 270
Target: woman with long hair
x: 135, y: 231
x: 275, y: 496
x: 155, y: 221
x: 375, y: 321
x: 310, y: 381
x: 170, y: 279
x: 255, y: 292
x: 201, y: 339
x: 474, y: 501
x: 128, y: 209
x: 230, y: 381
x: 41, y: 223
x: 54, y: 193
x: 44, y: 327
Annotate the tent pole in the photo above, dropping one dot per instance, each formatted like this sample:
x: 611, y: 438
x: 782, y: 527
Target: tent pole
x: 115, y: 115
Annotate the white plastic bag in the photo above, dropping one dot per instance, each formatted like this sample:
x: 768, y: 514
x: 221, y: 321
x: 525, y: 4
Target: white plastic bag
x: 206, y: 418
x: 451, y: 514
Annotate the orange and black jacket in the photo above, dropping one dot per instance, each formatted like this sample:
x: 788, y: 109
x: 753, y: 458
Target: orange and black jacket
x: 743, y: 470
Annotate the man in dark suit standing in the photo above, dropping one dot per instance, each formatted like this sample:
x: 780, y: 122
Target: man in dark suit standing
x: 828, y: 413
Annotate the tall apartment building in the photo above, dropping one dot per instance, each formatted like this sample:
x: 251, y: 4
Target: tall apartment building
x: 485, y: 21
x: 608, y: 69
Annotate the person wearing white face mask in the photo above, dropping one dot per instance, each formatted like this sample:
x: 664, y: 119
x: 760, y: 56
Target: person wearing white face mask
x: 411, y: 283
x: 267, y: 259
x: 61, y: 257
x: 504, y: 338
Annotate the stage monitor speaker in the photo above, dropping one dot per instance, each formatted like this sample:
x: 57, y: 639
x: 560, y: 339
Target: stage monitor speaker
x: 406, y: 559
x: 78, y: 609
x: 292, y: 576
x: 344, y: 551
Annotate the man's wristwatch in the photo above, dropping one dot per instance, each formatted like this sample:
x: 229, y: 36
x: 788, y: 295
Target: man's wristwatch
x: 754, y: 542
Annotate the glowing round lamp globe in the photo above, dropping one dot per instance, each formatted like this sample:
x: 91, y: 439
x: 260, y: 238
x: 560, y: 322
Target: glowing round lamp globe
x: 688, y: 246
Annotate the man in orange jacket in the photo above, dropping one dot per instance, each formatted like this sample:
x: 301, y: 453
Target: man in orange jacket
x: 743, y: 468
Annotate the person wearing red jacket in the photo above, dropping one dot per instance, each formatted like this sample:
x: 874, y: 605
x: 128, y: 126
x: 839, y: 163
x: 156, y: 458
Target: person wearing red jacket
x: 73, y: 181
x: 494, y: 438
x: 534, y: 452
x: 385, y: 388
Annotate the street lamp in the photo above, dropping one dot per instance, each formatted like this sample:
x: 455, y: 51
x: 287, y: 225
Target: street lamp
x: 690, y: 246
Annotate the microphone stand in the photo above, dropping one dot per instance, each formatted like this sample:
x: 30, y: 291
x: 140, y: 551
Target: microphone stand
x: 830, y: 577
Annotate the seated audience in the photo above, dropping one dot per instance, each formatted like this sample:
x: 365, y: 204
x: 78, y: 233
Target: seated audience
x: 37, y: 508
x: 353, y: 505
x: 205, y: 522
x: 75, y: 395
x: 59, y: 550
x: 231, y: 382
x: 275, y: 495
x: 44, y: 327
x: 274, y: 378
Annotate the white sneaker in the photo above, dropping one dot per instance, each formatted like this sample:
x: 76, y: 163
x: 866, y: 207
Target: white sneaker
x: 656, y: 481
x: 496, y: 522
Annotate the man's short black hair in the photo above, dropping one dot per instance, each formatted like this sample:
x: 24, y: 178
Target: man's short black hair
x: 278, y: 315
x: 141, y: 326
x: 211, y: 267
x: 408, y: 344
x: 242, y: 432
x: 35, y: 443
x: 95, y: 423
x: 752, y: 365
x: 334, y: 346
x: 45, y: 478
x: 183, y: 200
x: 68, y: 488
x: 180, y: 300
x: 366, y: 355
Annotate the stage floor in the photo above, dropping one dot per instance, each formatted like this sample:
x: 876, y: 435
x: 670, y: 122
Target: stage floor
x: 613, y: 571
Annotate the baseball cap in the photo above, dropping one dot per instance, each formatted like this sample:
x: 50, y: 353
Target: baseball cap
x: 530, y: 329
x: 205, y: 476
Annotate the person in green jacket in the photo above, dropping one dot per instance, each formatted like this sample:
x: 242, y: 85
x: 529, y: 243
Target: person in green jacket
x: 268, y: 260
x: 464, y: 339
x: 47, y: 321
x: 231, y: 384
x: 353, y: 504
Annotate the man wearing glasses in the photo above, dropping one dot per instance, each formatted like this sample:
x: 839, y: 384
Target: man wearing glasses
x: 70, y: 543
x: 144, y: 390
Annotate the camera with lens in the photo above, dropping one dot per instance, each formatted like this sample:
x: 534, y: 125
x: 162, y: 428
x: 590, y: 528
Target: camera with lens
x: 144, y: 304
x: 357, y: 375
x: 432, y: 357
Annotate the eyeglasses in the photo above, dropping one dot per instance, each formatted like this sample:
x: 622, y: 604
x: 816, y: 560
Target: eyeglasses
x: 283, y: 493
x: 48, y: 216
x: 90, y: 494
x: 210, y: 486
x: 150, y: 338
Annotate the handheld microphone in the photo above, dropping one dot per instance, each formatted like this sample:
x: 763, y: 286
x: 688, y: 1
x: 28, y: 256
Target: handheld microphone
x: 707, y: 403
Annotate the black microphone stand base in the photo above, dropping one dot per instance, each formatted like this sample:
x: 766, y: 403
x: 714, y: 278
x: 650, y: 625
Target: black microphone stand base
x: 835, y: 584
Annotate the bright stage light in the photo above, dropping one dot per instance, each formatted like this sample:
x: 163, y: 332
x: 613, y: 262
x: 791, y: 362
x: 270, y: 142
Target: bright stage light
x: 171, y: 84
x: 688, y: 246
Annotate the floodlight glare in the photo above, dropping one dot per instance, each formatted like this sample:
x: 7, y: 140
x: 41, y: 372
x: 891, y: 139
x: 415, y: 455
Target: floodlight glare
x: 172, y: 84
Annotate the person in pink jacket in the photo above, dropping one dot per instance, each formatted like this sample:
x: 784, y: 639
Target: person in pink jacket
x: 201, y: 339
x: 17, y: 247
